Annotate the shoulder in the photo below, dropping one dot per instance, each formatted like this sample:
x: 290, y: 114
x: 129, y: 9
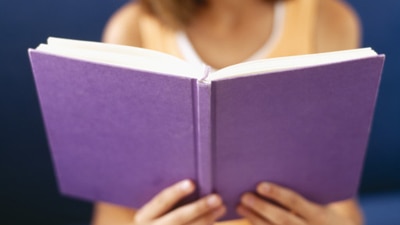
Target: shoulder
x: 123, y: 26
x: 338, y: 26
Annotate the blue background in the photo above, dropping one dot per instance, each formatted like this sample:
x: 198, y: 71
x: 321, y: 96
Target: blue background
x: 28, y: 192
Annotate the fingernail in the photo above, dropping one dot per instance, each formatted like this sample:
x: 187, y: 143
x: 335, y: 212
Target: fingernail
x: 213, y: 200
x: 265, y: 188
x: 185, y: 185
x: 247, y: 199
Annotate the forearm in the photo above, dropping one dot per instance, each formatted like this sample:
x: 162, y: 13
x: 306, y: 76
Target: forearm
x: 106, y: 214
x: 350, y: 209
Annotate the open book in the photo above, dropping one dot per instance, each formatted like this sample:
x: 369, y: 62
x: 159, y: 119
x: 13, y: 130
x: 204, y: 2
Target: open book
x: 123, y: 123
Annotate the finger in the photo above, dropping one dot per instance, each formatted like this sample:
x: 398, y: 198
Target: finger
x: 269, y: 211
x: 190, y: 212
x: 253, y: 218
x: 288, y: 199
x: 210, y: 217
x: 164, y: 201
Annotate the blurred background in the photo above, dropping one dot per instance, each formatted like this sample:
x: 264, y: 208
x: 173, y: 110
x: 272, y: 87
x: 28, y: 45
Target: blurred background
x: 28, y: 191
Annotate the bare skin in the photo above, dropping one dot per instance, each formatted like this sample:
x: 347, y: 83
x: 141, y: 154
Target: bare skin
x: 232, y: 29
x: 228, y: 26
x: 158, y: 210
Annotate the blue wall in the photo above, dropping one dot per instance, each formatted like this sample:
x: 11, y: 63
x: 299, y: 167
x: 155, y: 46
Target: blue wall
x: 28, y: 191
x: 381, y: 24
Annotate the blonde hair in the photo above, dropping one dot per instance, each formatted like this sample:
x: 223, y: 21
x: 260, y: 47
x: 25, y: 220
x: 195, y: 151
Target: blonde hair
x: 174, y: 13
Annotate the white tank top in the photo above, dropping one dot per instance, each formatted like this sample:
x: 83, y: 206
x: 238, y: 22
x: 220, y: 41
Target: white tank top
x: 189, y: 53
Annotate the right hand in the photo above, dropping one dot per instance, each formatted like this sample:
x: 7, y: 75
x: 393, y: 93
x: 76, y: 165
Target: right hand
x: 158, y: 211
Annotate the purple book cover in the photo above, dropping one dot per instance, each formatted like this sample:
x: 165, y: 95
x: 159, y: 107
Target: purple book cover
x: 115, y: 135
x: 306, y: 129
x: 121, y: 136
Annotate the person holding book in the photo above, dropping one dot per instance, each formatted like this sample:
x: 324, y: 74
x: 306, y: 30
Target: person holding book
x: 221, y: 33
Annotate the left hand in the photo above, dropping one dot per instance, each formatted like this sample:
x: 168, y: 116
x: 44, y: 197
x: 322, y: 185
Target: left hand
x: 295, y: 209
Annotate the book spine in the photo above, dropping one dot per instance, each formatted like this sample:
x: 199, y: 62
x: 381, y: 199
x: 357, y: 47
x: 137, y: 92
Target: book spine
x: 204, y: 135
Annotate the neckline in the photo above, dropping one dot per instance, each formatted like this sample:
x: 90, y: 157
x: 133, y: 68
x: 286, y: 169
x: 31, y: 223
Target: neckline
x: 189, y: 53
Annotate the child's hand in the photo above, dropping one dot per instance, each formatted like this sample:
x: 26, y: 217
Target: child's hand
x: 295, y: 209
x: 158, y: 210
